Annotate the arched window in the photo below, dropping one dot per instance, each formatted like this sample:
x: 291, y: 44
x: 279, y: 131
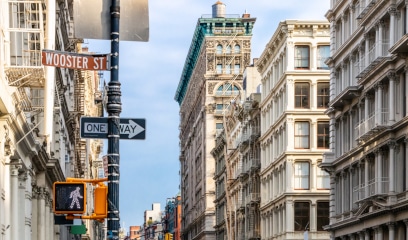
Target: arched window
x: 228, y: 50
x: 227, y: 89
x: 237, y: 49
x: 219, y: 49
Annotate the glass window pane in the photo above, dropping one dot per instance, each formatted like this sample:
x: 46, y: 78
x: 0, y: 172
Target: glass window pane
x: 302, y: 94
x: 301, y: 57
x: 323, y: 52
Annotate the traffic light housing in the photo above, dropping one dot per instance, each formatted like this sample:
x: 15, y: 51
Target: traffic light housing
x: 168, y: 236
x: 101, y: 200
x: 69, y: 197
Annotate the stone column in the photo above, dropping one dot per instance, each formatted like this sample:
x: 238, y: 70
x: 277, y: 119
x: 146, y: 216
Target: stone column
x: 380, y: 38
x: 312, y: 222
x: 392, y: 94
x: 406, y: 19
x: 391, y: 230
x: 378, y: 167
x: 393, y: 12
x: 34, y: 205
x: 366, y: 190
x: 14, y: 201
x: 406, y: 163
x: 366, y: 235
x: 41, y: 214
x: 366, y: 51
x: 392, y: 170
x: 289, y: 216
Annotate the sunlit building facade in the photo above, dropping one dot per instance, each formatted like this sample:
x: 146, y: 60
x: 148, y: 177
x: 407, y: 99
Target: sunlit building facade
x: 211, y: 78
x: 40, y: 110
x: 368, y: 120
x: 294, y: 131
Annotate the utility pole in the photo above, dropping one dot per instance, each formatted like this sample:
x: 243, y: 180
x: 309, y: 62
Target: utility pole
x: 114, y: 108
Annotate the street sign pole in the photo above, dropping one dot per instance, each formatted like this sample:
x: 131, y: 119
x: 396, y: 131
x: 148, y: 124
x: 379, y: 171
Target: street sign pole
x: 114, y: 108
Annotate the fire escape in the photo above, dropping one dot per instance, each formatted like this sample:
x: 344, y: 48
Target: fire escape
x: 24, y: 71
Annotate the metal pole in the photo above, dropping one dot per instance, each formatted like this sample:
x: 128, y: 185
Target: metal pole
x: 114, y: 108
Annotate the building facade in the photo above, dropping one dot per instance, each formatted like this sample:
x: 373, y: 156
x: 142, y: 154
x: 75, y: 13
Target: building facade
x: 368, y: 127
x: 40, y: 110
x: 211, y: 78
x: 237, y: 156
x: 172, y: 217
x: 294, y: 131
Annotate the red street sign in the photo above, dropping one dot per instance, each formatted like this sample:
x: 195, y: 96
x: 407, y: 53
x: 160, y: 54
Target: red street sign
x: 74, y: 60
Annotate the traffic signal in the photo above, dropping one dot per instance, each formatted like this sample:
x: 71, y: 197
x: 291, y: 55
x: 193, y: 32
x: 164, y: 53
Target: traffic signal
x: 100, y: 200
x: 170, y: 236
x: 69, y: 198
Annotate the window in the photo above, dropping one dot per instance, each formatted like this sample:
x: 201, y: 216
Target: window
x: 302, y: 175
x: 323, y: 96
x: 236, y: 68
x: 219, y: 49
x: 228, y: 69
x: 323, y: 212
x: 237, y: 49
x: 323, y: 179
x: 219, y: 125
x: 227, y: 89
x: 228, y: 49
x: 323, y: 138
x: 301, y: 57
x: 302, y: 216
x: 219, y: 68
x: 323, y: 52
x: 219, y: 108
x: 302, y: 92
x: 302, y: 135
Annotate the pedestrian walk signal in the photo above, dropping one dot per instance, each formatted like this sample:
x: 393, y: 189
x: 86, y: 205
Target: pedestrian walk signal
x: 69, y: 198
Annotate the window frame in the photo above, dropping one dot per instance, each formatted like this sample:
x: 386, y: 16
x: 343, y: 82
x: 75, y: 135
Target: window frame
x: 322, y: 179
x: 325, y: 135
x: 322, y: 219
x: 299, y: 136
x: 321, y: 58
x: 300, y: 175
x: 302, y: 57
x: 323, y: 97
x: 301, y: 215
x: 302, y: 93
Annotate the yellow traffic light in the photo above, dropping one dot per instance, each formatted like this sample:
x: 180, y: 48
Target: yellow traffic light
x: 69, y: 198
x: 100, y: 200
x: 166, y: 236
x: 170, y: 236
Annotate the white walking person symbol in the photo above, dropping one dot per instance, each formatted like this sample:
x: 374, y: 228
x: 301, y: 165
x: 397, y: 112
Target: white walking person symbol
x: 75, y: 195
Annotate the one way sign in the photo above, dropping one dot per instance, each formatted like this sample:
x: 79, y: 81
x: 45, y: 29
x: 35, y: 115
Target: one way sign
x: 94, y: 127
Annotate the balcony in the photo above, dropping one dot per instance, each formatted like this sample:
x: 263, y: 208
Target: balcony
x: 345, y: 96
x: 376, y: 187
x: 376, y: 54
x: 371, y: 126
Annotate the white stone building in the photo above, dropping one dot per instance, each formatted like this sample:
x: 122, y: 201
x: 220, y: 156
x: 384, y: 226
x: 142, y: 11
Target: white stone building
x: 212, y: 76
x: 40, y: 108
x: 368, y: 127
x: 294, y: 131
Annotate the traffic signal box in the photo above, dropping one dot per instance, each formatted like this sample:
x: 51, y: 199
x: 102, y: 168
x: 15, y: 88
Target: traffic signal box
x: 168, y: 236
x: 70, y: 198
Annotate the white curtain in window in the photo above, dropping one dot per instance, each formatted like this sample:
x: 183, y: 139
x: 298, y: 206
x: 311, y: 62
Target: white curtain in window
x: 302, y: 175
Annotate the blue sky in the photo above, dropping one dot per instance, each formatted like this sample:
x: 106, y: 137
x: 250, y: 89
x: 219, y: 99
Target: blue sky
x: 149, y: 74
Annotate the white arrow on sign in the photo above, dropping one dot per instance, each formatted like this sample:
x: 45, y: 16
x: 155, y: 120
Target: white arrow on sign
x: 131, y: 128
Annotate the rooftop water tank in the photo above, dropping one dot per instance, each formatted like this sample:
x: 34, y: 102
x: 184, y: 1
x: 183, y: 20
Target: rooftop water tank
x: 218, y: 10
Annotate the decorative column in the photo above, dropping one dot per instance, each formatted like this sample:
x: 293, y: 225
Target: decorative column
x: 47, y: 218
x: 406, y: 89
x: 406, y: 162
x: 366, y: 235
x: 380, y: 38
x: 391, y: 230
x: 366, y: 190
x: 366, y: 50
x: 406, y: 19
x: 351, y: 187
x: 41, y: 213
x: 332, y: 39
x: 351, y: 12
x: 392, y: 170
x: 406, y: 227
x: 392, y: 94
x: 351, y: 68
x: 289, y: 175
x: 14, y: 201
x: 379, y: 104
x: 393, y: 12
x: 378, y: 167
x: 289, y: 216
x: 34, y: 212
x: 313, y: 227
